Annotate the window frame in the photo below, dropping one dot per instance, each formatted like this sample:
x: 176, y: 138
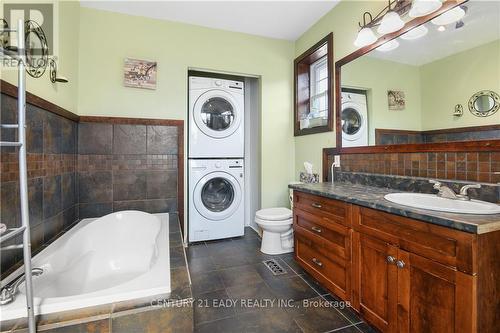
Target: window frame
x: 303, y: 85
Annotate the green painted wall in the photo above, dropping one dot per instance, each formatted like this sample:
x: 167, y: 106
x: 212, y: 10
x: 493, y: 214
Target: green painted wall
x: 377, y: 77
x: 453, y: 80
x: 342, y: 20
x: 107, y: 38
x: 64, y: 95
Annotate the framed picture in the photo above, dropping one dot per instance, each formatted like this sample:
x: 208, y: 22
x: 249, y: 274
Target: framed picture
x: 396, y: 100
x: 140, y: 73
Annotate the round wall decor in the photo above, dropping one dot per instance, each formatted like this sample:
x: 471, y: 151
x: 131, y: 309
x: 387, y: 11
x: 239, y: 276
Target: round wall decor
x: 484, y: 103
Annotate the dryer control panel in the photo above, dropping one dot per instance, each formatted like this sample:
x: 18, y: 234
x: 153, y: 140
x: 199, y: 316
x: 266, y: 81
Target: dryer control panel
x: 196, y: 82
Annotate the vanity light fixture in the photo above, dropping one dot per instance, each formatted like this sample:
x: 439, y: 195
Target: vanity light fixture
x: 415, y: 33
x: 388, y: 20
x: 451, y: 16
x: 389, y: 46
x: 424, y: 7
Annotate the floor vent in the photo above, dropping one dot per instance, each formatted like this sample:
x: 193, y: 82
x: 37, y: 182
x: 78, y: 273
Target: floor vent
x: 274, y: 267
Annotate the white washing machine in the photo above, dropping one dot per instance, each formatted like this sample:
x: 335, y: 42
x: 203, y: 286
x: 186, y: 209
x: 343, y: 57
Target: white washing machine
x: 216, y: 118
x: 354, y: 119
x: 216, y: 190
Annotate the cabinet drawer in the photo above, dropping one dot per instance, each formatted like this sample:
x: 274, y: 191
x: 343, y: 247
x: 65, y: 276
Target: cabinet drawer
x: 324, y: 230
x: 331, y: 271
x: 447, y: 246
x: 336, y: 211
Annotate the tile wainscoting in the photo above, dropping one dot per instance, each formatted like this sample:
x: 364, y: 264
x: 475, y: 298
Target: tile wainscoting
x: 123, y: 166
x: 52, y: 188
x: 392, y: 137
x: 82, y: 167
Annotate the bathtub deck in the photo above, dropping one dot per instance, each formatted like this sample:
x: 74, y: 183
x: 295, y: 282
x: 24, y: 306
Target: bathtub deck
x: 150, y: 314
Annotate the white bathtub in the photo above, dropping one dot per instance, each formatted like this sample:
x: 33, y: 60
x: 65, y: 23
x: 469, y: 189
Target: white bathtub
x: 120, y: 256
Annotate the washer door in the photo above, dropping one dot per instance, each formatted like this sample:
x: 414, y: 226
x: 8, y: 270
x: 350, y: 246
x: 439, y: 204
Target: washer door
x: 217, y: 114
x: 217, y: 196
x: 352, y: 121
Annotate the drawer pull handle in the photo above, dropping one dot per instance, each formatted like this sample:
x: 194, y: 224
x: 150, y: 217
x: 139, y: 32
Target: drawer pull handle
x: 316, y: 205
x: 391, y: 260
x: 317, y: 262
x: 400, y: 264
x: 316, y: 229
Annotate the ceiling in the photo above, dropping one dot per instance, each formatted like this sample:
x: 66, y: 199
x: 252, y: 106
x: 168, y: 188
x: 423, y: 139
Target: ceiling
x: 275, y: 19
x: 482, y: 25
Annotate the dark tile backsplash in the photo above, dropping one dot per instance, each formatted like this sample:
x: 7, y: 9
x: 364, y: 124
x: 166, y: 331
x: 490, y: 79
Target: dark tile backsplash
x: 483, y: 167
x: 412, y: 171
x: 131, y: 167
x: 51, y: 154
x: 487, y: 192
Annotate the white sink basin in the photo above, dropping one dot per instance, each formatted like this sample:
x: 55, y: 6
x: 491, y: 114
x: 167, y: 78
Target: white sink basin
x: 433, y: 202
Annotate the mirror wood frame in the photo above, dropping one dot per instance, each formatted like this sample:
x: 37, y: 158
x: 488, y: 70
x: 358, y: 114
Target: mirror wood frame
x: 307, y: 58
x: 480, y: 145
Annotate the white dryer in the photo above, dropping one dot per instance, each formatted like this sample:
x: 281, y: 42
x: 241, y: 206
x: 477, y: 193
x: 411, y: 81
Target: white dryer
x: 216, y: 118
x: 216, y: 205
x: 354, y: 119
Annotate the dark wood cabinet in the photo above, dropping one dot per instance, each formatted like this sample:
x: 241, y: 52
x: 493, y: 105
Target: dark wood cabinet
x: 433, y: 297
x: 323, y: 241
x: 400, y: 274
x: 375, y: 278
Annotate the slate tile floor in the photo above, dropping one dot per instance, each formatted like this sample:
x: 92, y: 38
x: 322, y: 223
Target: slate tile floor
x: 234, y: 292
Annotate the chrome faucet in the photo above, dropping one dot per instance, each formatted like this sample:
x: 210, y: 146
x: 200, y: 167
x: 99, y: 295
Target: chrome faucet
x: 8, y: 293
x: 446, y: 192
x: 464, y: 191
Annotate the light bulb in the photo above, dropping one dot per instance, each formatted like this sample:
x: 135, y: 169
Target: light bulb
x: 451, y: 16
x: 415, y: 33
x: 365, y: 37
x: 390, y: 22
x: 424, y: 7
x: 389, y: 46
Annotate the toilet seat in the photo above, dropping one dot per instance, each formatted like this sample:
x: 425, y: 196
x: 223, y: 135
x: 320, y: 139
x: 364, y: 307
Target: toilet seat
x: 272, y: 222
x: 274, y: 214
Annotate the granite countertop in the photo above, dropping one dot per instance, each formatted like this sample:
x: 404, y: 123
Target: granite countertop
x: 373, y: 197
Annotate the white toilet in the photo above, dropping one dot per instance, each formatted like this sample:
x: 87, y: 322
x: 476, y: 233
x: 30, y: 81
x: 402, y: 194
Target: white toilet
x: 277, y: 232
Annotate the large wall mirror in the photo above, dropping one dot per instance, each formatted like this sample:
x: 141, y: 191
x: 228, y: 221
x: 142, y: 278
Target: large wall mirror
x: 437, y: 81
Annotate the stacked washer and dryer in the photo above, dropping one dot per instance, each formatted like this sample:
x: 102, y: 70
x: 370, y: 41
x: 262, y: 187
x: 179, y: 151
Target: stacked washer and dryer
x: 216, y: 158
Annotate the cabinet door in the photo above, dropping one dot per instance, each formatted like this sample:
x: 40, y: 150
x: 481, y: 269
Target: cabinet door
x: 433, y: 297
x: 375, y: 292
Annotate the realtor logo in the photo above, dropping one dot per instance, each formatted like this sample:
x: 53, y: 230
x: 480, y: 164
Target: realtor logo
x: 40, y: 13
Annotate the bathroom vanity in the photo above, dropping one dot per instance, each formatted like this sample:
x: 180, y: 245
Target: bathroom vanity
x: 402, y: 269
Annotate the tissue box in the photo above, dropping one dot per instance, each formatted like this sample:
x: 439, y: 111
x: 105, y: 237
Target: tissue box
x: 308, y: 178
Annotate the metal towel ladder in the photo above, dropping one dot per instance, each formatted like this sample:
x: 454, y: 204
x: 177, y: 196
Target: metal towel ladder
x: 23, y: 176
